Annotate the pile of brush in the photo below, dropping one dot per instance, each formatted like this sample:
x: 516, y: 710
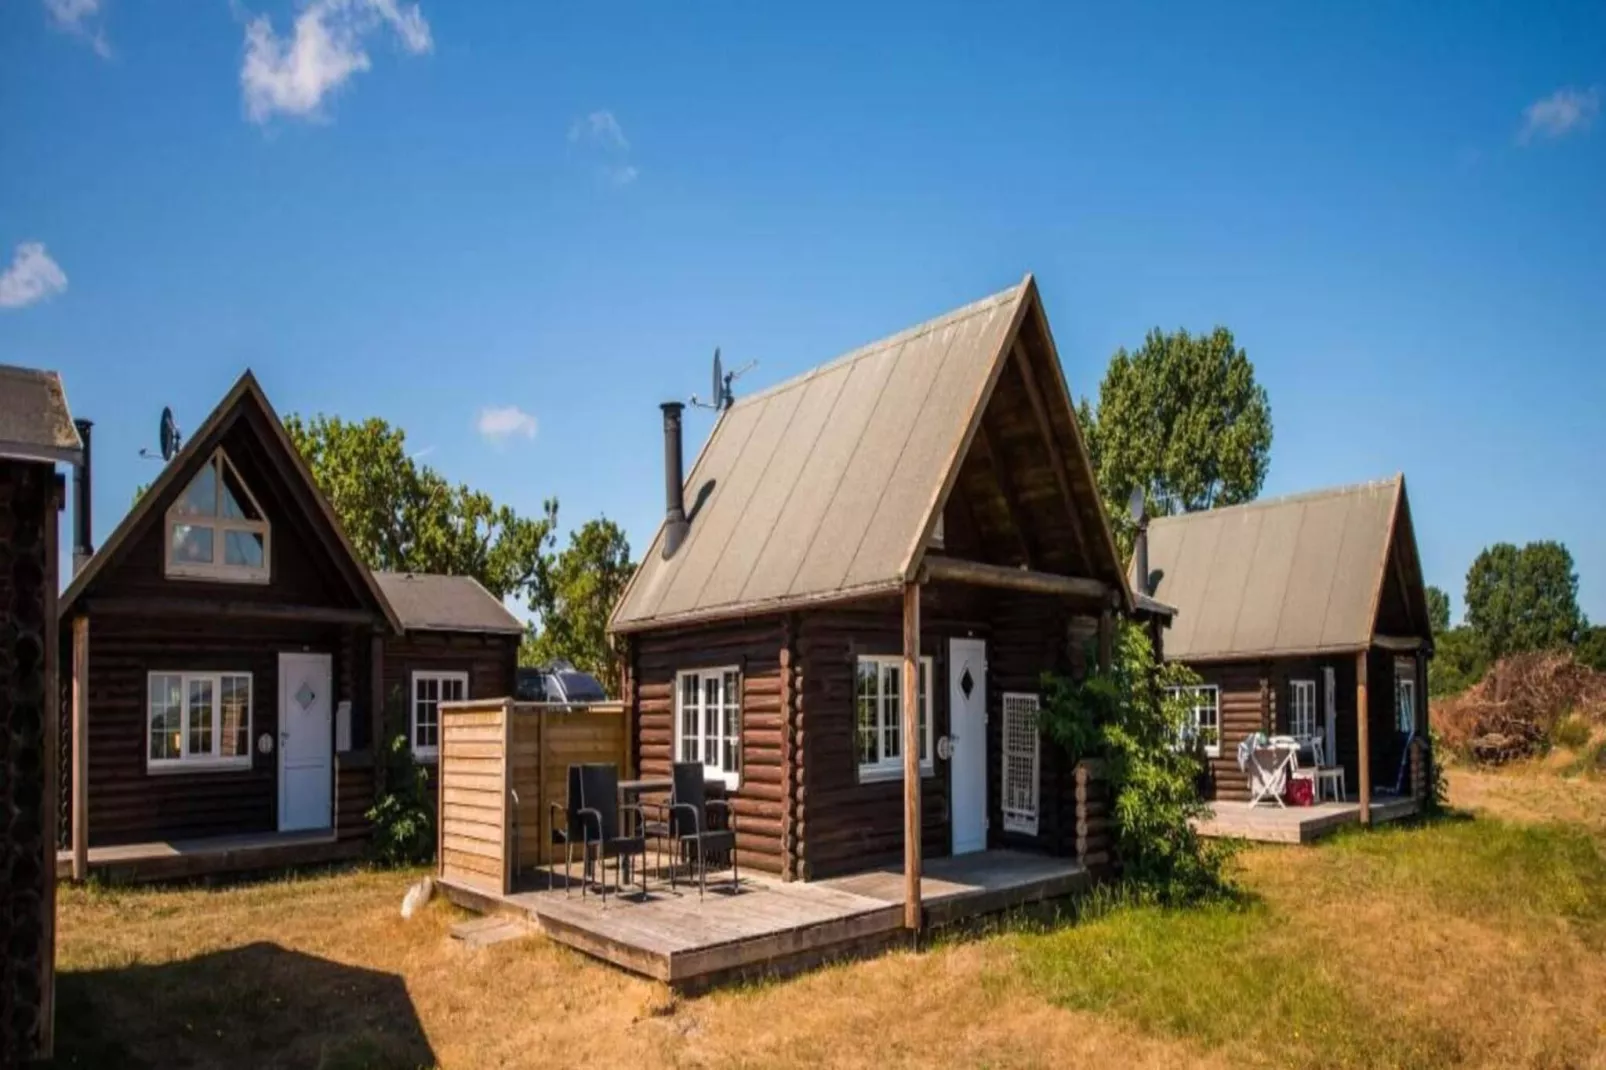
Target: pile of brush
x: 1513, y: 711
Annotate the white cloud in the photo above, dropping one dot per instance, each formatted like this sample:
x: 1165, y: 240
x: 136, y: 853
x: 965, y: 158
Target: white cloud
x: 1564, y: 112
x: 32, y: 276
x: 620, y: 176
x: 82, y: 18
x: 499, y: 423
x: 599, y: 128
x: 325, y: 47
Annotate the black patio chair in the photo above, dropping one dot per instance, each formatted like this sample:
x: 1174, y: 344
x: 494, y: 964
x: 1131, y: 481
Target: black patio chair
x: 566, y: 828
x: 689, y: 808
x: 601, y: 832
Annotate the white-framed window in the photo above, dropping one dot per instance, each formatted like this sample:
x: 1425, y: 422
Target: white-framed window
x: 708, y: 722
x: 216, y: 530
x: 1202, y: 725
x: 430, y: 689
x: 1405, y: 704
x: 1302, y: 709
x: 879, y: 707
x: 197, y: 720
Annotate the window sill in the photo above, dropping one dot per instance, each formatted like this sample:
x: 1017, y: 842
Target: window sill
x: 427, y: 757
x: 876, y: 774
x: 215, y: 574
x: 179, y: 768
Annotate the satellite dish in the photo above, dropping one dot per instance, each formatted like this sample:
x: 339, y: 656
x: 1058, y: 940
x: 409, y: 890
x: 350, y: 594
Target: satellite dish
x: 1135, y: 505
x: 720, y: 386
x: 168, y: 434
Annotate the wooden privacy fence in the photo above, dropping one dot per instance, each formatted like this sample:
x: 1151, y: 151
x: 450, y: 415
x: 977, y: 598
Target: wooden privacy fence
x: 502, y: 763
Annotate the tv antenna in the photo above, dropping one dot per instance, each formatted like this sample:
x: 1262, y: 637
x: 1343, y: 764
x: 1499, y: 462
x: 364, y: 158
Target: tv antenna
x: 722, y: 397
x: 168, y: 437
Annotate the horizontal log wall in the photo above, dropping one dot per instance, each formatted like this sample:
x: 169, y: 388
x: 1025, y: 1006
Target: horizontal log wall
x: 472, y: 802
x: 491, y: 662
x: 354, y: 795
x: 759, y: 801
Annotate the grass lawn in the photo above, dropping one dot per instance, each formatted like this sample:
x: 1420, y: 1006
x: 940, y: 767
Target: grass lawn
x: 1476, y: 942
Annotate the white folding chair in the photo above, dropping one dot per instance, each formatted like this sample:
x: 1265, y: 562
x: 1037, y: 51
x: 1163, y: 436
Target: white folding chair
x: 1268, y: 773
x: 1330, y: 775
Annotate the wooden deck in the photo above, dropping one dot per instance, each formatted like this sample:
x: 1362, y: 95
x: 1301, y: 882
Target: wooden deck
x: 176, y: 859
x: 770, y: 927
x: 1268, y: 823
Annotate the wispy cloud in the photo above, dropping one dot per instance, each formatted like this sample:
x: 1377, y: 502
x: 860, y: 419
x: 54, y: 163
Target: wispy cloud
x: 82, y: 18
x: 499, y: 423
x: 1566, y: 111
x: 600, y: 141
x: 599, y: 128
x: 33, y: 276
x: 292, y: 75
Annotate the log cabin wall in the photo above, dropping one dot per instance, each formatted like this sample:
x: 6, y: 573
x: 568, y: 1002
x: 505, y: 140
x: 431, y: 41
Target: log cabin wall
x: 491, y: 662
x: 28, y: 498
x: 753, y: 645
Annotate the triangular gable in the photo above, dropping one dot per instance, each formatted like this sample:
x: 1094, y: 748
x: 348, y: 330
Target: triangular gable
x: 1401, y: 595
x: 246, y: 396
x: 827, y: 487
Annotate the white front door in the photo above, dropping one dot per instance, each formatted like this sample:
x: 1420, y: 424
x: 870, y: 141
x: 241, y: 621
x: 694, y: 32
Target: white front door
x: 967, y: 734
x: 306, y: 741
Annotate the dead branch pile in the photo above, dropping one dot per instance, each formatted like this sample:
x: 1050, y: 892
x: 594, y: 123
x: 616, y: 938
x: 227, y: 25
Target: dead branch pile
x: 1511, y: 712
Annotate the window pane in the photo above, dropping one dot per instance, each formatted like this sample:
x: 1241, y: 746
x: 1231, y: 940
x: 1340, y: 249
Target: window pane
x: 731, y: 730
x: 200, y: 497
x: 868, y: 690
x: 167, y: 695
x: 891, y: 713
x: 711, y: 690
x: 192, y: 544
x: 925, y: 708
x: 690, y: 730
x: 235, y: 740
x: 200, y: 744
x: 426, y: 712
x: 243, y: 548
x: 453, y: 690
x: 236, y: 502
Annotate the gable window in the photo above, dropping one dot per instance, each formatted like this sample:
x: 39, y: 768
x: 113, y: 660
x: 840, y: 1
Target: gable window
x: 879, y: 702
x: 1201, y: 723
x: 430, y: 689
x: 216, y: 530
x: 708, y: 722
x: 198, y: 720
x: 1405, y: 704
x: 1302, y: 713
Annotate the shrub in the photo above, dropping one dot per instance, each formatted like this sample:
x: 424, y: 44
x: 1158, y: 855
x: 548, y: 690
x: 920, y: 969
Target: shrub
x: 1516, y: 709
x: 403, y: 815
x: 1572, y: 732
x: 1130, y: 717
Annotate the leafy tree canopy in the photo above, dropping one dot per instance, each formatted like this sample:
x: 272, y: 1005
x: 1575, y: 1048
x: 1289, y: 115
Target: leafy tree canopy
x: 1459, y: 661
x: 1438, y: 610
x: 1524, y: 599
x: 1184, y: 419
x: 1592, y: 648
x: 403, y: 516
x: 577, y: 593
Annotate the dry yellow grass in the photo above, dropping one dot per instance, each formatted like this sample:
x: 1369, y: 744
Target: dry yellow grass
x: 1408, y: 931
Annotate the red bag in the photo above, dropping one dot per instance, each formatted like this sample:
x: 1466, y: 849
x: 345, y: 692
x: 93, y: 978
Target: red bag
x: 1301, y: 792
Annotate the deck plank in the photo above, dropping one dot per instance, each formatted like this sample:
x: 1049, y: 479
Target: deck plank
x: 1295, y: 824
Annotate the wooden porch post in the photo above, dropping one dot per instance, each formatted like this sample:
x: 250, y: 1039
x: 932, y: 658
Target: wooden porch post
x: 1363, y: 737
x: 80, y: 748
x: 911, y: 756
x: 378, y: 745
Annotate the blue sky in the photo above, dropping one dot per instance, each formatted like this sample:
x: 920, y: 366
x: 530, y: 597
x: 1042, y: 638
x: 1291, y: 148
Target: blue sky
x: 440, y: 214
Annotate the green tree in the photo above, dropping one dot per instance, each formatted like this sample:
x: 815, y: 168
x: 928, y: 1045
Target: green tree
x: 1438, y: 610
x: 403, y: 516
x: 1592, y: 648
x: 1523, y: 599
x: 576, y: 594
x: 1459, y: 661
x: 1184, y: 419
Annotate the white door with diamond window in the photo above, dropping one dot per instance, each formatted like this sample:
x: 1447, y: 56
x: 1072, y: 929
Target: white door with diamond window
x: 306, y: 742
x: 967, y: 735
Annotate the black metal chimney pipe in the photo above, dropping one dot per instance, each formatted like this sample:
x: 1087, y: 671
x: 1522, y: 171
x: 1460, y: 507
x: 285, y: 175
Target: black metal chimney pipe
x: 82, y: 487
x: 675, y: 524
x: 1140, y: 557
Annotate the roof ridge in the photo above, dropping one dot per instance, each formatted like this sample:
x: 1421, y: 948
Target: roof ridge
x: 907, y: 334
x: 1295, y: 498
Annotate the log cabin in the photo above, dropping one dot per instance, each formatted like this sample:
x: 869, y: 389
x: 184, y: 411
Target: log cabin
x: 37, y: 432
x: 847, y: 612
x: 1296, y: 613
x: 237, y: 668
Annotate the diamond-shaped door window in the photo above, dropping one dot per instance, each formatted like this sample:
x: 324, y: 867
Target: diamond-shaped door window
x: 306, y: 695
x: 966, y: 683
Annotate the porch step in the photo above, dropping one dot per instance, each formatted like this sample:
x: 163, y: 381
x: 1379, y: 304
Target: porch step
x: 493, y: 929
